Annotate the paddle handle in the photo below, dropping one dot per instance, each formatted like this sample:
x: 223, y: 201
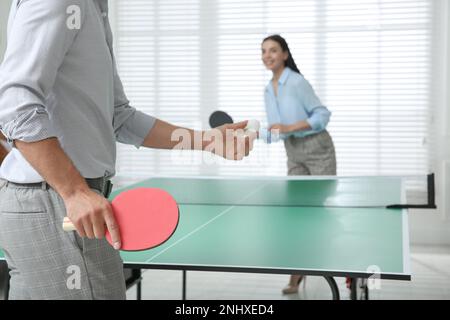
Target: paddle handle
x: 68, y: 225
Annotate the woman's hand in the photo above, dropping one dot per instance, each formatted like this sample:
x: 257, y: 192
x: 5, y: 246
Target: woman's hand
x: 281, y: 128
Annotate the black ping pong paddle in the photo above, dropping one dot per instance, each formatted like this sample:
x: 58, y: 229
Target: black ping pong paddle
x: 219, y: 118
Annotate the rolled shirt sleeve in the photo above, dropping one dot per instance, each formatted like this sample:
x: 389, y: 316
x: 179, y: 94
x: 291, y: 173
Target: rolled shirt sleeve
x: 41, y: 39
x: 319, y: 118
x: 319, y: 115
x: 131, y: 126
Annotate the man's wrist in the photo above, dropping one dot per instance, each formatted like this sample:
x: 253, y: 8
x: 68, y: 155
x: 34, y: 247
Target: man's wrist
x: 69, y: 190
x: 205, y: 141
x: 198, y: 140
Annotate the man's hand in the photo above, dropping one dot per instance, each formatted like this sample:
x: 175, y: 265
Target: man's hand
x: 90, y: 213
x: 230, y: 141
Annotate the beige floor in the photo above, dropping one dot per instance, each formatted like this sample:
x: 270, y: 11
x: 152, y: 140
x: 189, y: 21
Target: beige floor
x: 430, y: 267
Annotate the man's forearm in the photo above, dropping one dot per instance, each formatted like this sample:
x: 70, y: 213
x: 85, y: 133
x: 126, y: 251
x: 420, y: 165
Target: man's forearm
x: 51, y: 162
x: 164, y: 135
x: 3, y: 153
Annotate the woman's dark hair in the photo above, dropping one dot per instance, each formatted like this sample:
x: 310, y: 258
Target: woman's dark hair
x: 284, y: 46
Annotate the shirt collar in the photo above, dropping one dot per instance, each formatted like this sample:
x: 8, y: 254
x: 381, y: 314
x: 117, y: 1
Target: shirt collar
x: 286, y: 72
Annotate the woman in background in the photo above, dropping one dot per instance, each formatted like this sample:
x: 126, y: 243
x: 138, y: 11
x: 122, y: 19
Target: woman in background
x: 296, y: 113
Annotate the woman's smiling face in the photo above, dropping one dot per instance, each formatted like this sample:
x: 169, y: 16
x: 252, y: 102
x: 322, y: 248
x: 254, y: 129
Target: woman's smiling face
x: 272, y: 55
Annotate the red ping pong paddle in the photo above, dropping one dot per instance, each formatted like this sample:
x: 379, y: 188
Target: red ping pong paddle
x: 147, y: 217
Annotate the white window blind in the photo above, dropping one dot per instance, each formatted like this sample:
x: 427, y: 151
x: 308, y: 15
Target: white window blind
x: 369, y: 61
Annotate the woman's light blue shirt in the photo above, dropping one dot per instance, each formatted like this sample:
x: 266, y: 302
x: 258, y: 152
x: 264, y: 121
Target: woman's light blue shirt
x: 296, y: 101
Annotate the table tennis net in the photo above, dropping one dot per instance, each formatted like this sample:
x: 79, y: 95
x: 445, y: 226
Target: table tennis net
x: 312, y: 191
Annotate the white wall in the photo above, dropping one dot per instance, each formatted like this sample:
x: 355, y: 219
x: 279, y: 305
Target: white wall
x: 4, y: 11
x: 433, y: 226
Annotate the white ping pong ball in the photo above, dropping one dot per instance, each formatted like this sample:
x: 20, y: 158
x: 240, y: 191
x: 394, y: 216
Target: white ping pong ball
x: 252, y: 125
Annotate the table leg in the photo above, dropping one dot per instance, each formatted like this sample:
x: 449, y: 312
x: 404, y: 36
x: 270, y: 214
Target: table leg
x: 134, y: 277
x: 4, y: 280
x: 137, y: 275
x: 139, y: 291
x: 359, y: 289
x: 183, y: 294
x: 334, y: 288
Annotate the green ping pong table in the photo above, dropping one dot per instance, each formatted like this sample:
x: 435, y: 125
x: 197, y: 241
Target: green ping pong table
x: 322, y: 226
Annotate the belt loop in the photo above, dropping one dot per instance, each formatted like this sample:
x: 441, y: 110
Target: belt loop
x: 107, y: 185
x: 108, y: 188
x: 44, y: 185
